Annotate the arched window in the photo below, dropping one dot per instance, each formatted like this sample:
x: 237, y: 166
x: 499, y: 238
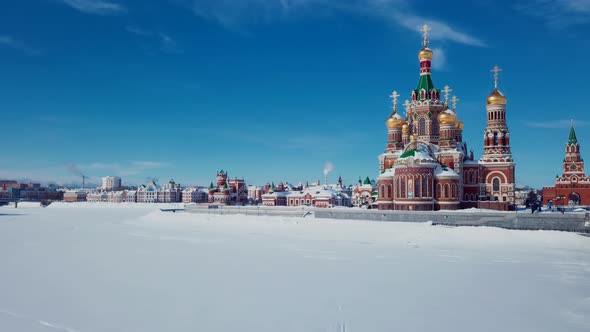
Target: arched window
x: 403, y: 188
x: 397, y: 191
x: 424, y: 187
x: 389, y: 191
x: 496, y: 184
x: 454, y: 191
x: 422, y: 126
x: 382, y: 191
x: 417, y: 187
x: 422, y: 94
x: 438, y: 190
x: 446, y: 190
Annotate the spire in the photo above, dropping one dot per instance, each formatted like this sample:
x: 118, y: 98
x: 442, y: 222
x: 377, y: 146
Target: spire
x: 496, y: 97
x: 425, y: 57
x: 496, y: 70
x: 572, y: 139
x: 447, y: 91
x: 425, y: 29
x: 454, y: 100
x: 394, y: 96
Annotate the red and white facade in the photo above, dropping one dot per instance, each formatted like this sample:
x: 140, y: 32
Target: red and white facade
x: 572, y: 188
x: 228, y: 191
x: 426, y: 164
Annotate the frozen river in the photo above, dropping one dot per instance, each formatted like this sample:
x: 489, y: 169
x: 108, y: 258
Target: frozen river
x: 78, y: 268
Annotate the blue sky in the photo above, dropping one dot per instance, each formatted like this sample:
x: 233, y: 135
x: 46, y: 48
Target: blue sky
x: 272, y: 89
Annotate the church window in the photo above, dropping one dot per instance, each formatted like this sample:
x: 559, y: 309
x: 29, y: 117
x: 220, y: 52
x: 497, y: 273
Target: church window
x: 446, y: 189
x: 454, y: 191
x: 388, y: 191
x: 438, y: 190
x: 403, y: 188
x: 422, y: 126
x: 382, y: 191
x: 417, y: 187
x: 397, y: 191
x: 424, y: 187
x: 496, y: 184
x: 422, y: 94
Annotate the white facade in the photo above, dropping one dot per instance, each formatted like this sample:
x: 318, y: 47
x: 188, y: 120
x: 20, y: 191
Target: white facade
x: 111, y: 183
x: 194, y: 195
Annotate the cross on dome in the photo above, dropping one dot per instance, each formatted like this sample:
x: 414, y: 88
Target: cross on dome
x: 454, y: 100
x: 496, y: 70
x: 447, y: 90
x: 394, y: 96
x: 425, y: 29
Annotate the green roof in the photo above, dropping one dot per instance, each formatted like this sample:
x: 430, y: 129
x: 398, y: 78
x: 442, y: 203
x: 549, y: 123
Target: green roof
x: 409, y: 153
x: 225, y: 186
x: 572, y: 140
x: 171, y: 181
x: 367, y: 181
x: 211, y: 185
x: 425, y: 83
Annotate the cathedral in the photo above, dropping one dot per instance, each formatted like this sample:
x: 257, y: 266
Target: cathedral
x: 426, y: 164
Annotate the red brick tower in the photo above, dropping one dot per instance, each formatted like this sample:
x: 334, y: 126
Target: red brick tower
x: 573, y: 186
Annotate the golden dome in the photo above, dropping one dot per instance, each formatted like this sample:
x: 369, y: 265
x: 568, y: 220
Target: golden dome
x: 447, y: 117
x: 412, y: 138
x: 459, y: 125
x: 425, y: 54
x: 496, y: 98
x: 395, y: 121
x: 405, y: 128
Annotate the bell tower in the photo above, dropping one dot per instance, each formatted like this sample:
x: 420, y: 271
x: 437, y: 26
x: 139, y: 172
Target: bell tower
x: 496, y: 136
x: 497, y: 166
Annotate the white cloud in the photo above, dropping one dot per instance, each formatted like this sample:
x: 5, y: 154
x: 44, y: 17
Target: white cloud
x: 439, y: 30
x: 11, y: 42
x: 235, y: 15
x: 98, y: 7
x: 155, y: 40
x: 439, y: 60
x: 557, y: 14
x: 560, y: 124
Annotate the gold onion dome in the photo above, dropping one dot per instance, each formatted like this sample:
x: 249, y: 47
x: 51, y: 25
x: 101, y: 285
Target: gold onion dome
x: 395, y: 121
x: 447, y: 117
x: 405, y: 128
x: 425, y: 54
x: 496, y: 98
x: 459, y: 125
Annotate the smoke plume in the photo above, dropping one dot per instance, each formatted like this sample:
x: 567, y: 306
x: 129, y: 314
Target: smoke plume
x: 328, y: 167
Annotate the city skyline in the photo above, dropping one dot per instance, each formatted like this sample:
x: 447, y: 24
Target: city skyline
x: 271, y: 90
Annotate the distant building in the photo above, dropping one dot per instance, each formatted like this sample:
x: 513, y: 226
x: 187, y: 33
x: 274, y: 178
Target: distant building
x: 228, y: 191
x: 150, y: 193
x: 573, y: 186
x: 364, y: 193
x: 111, y: 183
x: 194, y: 195
x: 316, y: 195
x: 255, y: 194
x: 75, y: 196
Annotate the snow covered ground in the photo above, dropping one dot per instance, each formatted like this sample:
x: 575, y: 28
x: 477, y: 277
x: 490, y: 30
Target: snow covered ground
x: 77, y: 268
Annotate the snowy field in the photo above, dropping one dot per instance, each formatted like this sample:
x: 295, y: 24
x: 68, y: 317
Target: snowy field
x: 81, y: 268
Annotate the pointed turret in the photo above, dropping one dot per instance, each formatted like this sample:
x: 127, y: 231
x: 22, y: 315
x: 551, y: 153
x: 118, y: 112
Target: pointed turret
x: 572, y: 139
